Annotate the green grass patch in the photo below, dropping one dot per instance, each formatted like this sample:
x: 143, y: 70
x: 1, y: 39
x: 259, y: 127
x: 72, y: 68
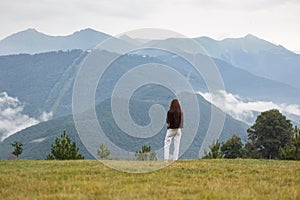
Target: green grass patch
x: 187, y: 179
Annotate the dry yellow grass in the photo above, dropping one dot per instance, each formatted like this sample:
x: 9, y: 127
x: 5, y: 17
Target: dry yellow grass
x: 189, y: 179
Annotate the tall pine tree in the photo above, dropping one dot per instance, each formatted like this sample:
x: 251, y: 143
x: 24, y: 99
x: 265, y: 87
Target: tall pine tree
x: 63, y: 149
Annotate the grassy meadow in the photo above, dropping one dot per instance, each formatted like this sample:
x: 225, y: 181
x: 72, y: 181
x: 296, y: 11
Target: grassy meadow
x: 186, y: 179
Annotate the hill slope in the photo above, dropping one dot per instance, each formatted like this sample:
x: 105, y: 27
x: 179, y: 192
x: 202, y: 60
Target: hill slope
x: 40, y: 81
x: 44, y: 82
x: 38, y: 138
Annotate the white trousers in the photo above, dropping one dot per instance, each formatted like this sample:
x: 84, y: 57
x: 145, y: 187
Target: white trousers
x: 176, y: 134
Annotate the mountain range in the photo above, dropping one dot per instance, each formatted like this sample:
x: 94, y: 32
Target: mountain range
x: 250, y: 53
x: 31, y: 41
x: 257, y: 56
x: 39, y: 71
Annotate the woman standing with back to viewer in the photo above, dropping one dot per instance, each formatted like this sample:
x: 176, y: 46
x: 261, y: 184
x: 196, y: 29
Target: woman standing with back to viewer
x: 175, y: 123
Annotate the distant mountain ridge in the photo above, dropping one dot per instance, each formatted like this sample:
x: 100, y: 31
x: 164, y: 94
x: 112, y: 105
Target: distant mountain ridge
x: 257, y: 56
x: 31, y: 41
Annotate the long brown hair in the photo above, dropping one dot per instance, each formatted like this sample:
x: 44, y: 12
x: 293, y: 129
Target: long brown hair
x: 175, y: 115
x: 175, y: 106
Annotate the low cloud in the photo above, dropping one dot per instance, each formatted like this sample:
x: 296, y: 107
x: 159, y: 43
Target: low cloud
x: 45, y: 116
x: 39, y: 140
x: 12, y: 118
x: 245, y: 110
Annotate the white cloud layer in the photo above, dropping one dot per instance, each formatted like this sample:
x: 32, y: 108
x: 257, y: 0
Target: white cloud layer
x: 12, y: 119
x: 244, y: 110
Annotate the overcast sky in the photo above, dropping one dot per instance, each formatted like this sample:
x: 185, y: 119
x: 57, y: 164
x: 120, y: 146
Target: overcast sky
x: 277, y: 21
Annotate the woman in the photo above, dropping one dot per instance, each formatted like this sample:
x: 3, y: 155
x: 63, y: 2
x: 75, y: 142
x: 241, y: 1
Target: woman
x: 175, y: 123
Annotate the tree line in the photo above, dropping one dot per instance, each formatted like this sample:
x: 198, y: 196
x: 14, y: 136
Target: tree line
x: 272, y: 136
x: 64, y: 149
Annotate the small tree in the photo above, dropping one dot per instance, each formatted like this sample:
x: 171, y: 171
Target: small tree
x: 214, y: 151
x: 63, y: 149
x: 145, y: 153
x: 18, y: 148
x: 152, y: 156
x: 103, y: 152
x: 233, y: 148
